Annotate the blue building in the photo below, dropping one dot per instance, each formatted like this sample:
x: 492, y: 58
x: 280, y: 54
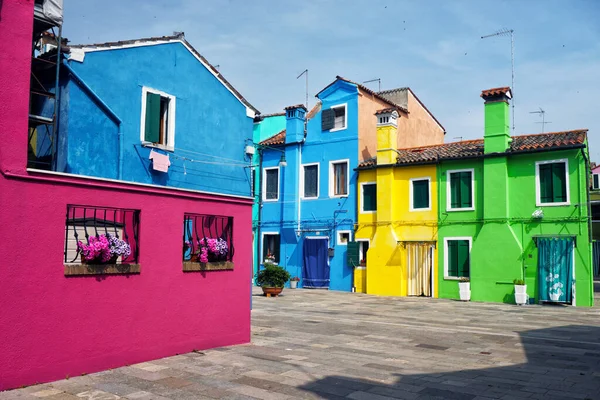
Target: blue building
x: 153, y: 111
x: 308, y: 185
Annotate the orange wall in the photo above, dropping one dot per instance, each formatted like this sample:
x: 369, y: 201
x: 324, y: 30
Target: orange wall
x: 417, y: 128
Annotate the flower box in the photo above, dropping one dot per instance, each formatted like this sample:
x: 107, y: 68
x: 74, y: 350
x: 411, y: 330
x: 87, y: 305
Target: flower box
x: 191, y: 266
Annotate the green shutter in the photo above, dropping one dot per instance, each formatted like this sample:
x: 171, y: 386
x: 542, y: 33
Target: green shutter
x: 352, y: 254
x: 465, y: 190
x: 420, y: 194
x: 455, y: 190
x: 151, y: 133
x: 370, y: 197
x: 559, y: 184
x: 546, y: 183
x: 452, y: 258
x: 463, y: 258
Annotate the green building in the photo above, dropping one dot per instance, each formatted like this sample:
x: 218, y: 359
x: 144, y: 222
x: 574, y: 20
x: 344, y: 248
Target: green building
x: 265, y: 126
x: 515, y: 208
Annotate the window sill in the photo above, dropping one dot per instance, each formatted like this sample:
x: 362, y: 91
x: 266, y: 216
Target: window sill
x: 103, y: 269
x: 338, y: 129
x: 192, y: 266
x: 159, y: 146
x: 420, y: 209
x: 368, y: 212
x: 453, y: 278
x: 338, y: 196
x: 309, y: 198
x: 552, y: 204
x: 270, y: 200
x: 460, y: 209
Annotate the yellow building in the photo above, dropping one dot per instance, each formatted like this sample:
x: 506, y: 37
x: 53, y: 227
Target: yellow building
x: 397, y: 220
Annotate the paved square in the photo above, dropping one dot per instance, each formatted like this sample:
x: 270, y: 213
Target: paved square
x: 318, y: 344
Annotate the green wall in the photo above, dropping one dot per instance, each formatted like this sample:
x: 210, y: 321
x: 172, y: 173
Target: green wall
x: 503, y: 247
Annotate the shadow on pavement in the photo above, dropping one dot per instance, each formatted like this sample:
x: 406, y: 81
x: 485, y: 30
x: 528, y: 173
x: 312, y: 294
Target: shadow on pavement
x: 562, y: 363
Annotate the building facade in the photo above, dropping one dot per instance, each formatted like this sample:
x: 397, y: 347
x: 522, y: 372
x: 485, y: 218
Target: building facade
x: 144, y: 304
x: 309, y: 184
x: 507, y: 208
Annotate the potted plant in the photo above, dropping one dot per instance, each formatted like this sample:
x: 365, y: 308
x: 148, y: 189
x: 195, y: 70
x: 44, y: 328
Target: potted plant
x: 520, y: 292
x: 103, y: 249
x: 294, y: 282
x: 272, y: 278
x: 212, y: 250
x: 464, y: 288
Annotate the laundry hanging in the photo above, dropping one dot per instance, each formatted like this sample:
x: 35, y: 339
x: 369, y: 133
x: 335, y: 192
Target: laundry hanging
x: 160, y: 162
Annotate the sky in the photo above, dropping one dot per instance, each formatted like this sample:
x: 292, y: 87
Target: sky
x: 433, y: 46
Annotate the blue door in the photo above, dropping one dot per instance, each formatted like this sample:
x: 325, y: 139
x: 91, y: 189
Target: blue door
x: 555, y: 269
x: 315, y: 273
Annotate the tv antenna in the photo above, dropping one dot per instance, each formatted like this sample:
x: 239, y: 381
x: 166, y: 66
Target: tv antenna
x: 305, y: 73
x: 375, y: 80
x: 511, y: 33
x: 542, y: 113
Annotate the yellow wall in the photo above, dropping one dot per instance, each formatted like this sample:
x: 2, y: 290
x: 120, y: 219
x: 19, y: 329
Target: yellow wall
x: 393, y: 222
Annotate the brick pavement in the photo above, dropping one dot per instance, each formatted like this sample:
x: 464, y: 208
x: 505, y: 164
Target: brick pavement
x: 318, y: 344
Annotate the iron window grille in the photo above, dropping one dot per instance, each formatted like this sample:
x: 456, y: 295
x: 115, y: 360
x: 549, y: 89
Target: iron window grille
x: 85, y: 222
x: 199, y: 229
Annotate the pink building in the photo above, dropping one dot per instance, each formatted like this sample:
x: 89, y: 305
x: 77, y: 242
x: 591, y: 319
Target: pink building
x: 60, y: 317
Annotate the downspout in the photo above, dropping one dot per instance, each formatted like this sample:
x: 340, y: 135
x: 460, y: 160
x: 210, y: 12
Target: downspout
x: 258, y: 224
x: 107, y: 110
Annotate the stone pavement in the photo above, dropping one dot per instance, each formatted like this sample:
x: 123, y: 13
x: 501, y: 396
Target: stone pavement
x: 332, y: 345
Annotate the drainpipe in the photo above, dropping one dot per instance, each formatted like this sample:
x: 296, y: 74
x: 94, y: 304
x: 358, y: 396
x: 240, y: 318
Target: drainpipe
x: 587, y: 191
x: 258, y: 225
x: 111, y: 114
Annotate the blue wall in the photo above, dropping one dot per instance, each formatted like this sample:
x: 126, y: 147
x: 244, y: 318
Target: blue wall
x: 318, y: 217
x: 209, y: 120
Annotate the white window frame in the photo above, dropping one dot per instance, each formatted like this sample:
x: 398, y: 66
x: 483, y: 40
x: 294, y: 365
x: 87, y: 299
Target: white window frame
x: 264, y: 184
x: 170, y: 146
x: 595, y: 187
x: 360, y: 253
x: 410, y: 193
x: 449, y: 190
x: 332, y: 178
x: 345, y: 106
x: 362, y: 198
x: 262, y: 245
x: 301, y: 186
x: 538, y: 192
x: 339, y: 242
x: 446, y: 240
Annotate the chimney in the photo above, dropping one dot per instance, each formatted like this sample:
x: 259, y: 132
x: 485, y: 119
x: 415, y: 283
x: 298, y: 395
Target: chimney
x: 496, y: 137
x: 387, y: 136
x: 294, y: 124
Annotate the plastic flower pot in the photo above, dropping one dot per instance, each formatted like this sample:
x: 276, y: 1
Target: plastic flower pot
x: 521, y: 294
x: 293, y: 284
x: 464, y: 290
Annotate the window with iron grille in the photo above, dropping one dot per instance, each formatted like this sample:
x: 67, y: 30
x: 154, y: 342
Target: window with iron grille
x: 101, y: 235
x: 207, y: 238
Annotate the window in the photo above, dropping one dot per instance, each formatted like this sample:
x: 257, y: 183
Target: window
x: 271, y: 184
x: 343, y: 237
x: 457, y: 260
x: 368, y: 196
x: 419, y: 195
x: 158, y: 118
x: 310, y: 181
x: 270, y: 247
x: 338, y: 179
x: 207, y: 238
x: 334, y: 118
x: 552, y: 182
x: 460, y: 190
x: 363, y: 247
x: 595, y: 181
x: 101, y: 235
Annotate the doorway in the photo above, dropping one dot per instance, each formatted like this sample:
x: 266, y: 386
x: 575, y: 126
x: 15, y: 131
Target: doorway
x: 315, y: 271
x: 419, y: 266
x: 555, y: 269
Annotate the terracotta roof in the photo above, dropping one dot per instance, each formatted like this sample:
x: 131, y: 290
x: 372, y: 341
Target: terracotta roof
x: 496, y: 91
x: 180, y: 37
x: 276, y: 139
x: 385, y: 110
x: 369, y: 91
x: 296, y: 106
x: 280, y: 114
x: 474, y: 148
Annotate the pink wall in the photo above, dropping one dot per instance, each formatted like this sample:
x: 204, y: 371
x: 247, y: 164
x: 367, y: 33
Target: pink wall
x: 52, y: 326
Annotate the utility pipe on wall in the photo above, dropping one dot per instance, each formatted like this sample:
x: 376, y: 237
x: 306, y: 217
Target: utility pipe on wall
x: 107, y: 110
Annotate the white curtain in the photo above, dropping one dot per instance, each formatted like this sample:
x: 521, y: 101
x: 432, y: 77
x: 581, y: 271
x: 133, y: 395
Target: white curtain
x: 419, y: 267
